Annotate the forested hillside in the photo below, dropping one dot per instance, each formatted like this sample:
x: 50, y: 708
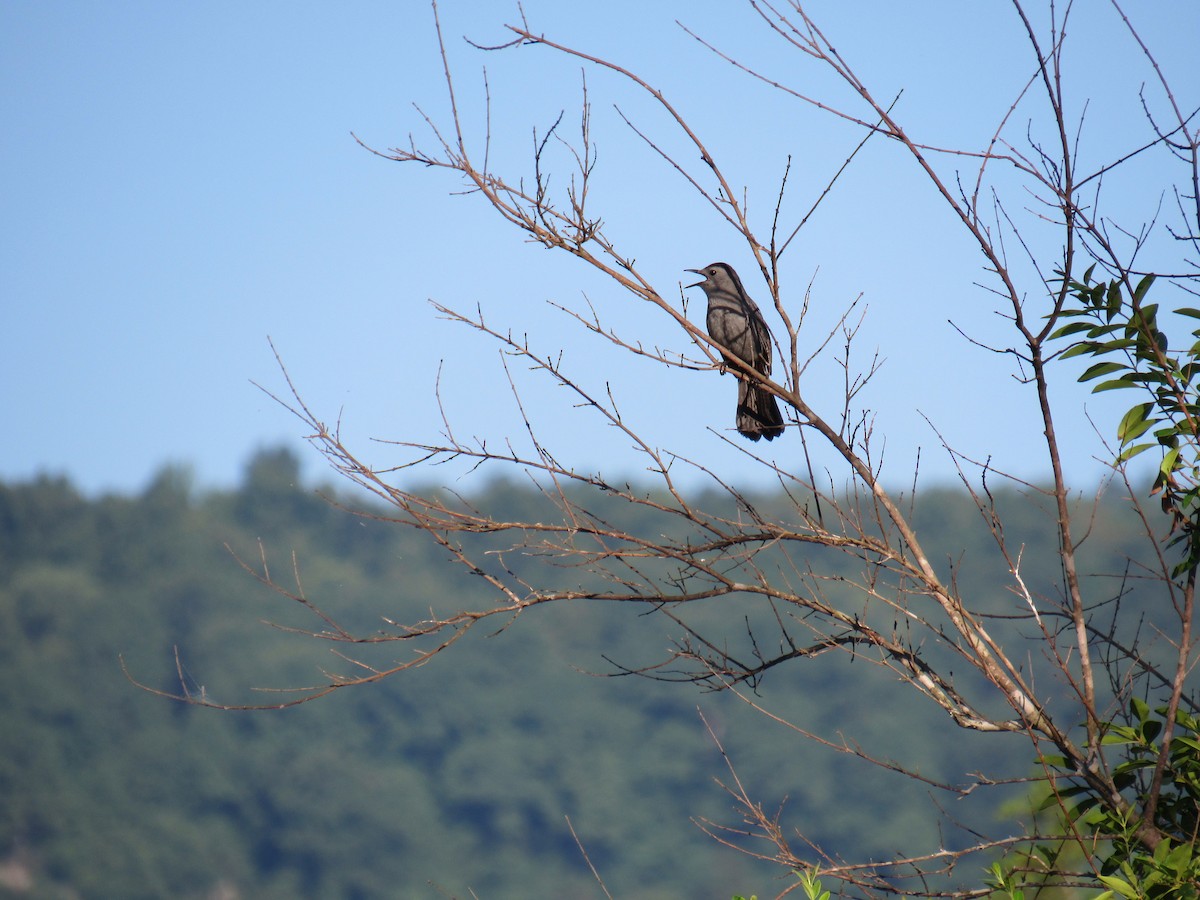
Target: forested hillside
x: 451, y: 778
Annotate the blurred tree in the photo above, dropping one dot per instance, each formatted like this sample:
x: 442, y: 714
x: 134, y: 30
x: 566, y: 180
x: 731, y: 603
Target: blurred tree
x: 1092, y: 674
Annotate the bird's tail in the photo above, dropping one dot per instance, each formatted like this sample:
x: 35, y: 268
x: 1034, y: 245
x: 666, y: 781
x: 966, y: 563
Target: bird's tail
x: 758, y: 414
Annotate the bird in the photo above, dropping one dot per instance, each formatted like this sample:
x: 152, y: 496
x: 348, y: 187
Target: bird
x: 736, y: 325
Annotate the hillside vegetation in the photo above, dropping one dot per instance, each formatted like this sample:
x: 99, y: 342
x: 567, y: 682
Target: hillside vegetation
x: 455, y: 777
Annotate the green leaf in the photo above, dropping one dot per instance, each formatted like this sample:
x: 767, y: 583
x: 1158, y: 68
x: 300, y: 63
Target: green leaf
x: 1188, y: 311
x: 1117, y: 343
x: 1179, y: 858
x: 1119, y: 886
x: 1147, y: 316
x: 1136, y: 430
x: 1071, y: 328
x: 1191, y: 743
x: 1187, y: 564
x: 1120, y: 734
x: 1080, y: 349
x: 1169, y: 460
x: 1133, y: 765
x: 1130, y: 452
x: 1114, y: 297
x: 1099, y: 331
x: 1150, y: 730
x: 1114, y: 305
x: 1135, y: 423
x: 1144, y: 285
x: 1102, y: 368
x: 1130, y: 379
x: 1168, y: 437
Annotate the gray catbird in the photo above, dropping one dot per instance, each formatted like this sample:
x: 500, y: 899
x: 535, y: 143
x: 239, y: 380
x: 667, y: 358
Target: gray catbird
x: 737, y: 326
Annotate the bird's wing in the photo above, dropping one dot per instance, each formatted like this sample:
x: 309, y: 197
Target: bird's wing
x: 761, y: 335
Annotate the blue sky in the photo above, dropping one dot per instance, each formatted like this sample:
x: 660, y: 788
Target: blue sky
x: 179, y: 182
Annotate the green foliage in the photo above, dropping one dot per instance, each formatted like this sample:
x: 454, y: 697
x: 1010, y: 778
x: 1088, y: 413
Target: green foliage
x: 1005, y: 881
x: 1172, y: 869
x: 1116, y: 839
x: 1144, y: 840
x: 459, y: 773
x: 1114, y: 325
x: 810, y: 883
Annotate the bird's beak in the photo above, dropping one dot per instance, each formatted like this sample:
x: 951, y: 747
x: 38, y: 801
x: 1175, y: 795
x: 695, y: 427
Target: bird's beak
x: 697, y: 272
